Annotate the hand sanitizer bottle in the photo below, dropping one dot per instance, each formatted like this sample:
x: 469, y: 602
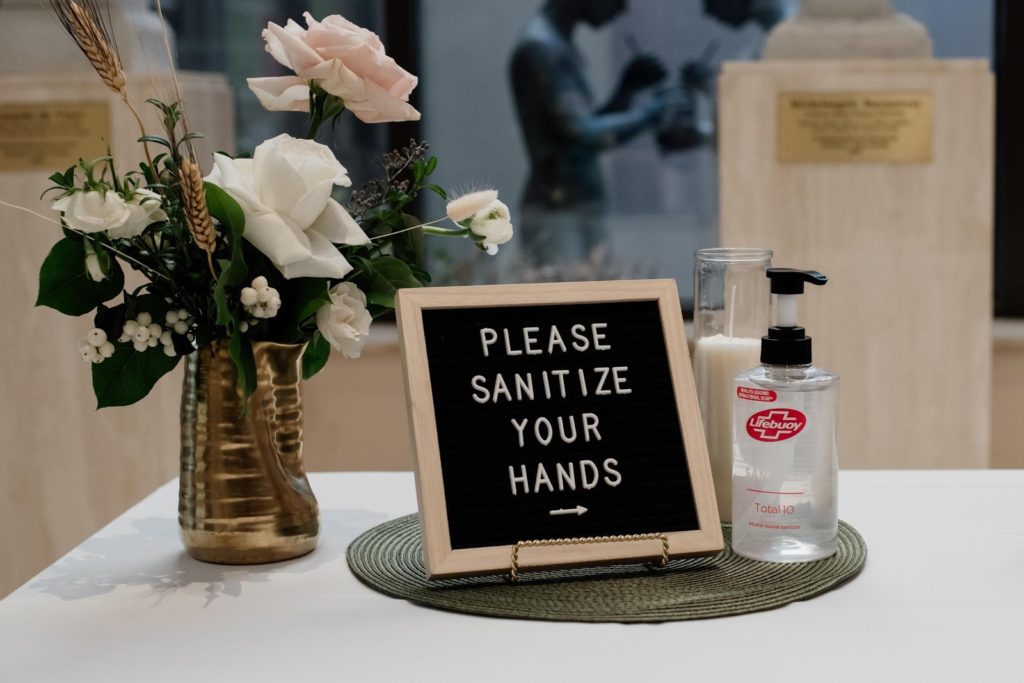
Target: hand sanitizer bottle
x: 784, y: 441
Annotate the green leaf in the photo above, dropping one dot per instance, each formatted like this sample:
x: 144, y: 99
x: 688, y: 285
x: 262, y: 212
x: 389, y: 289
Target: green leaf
x: 65, y: 285
x: 228, y: 213
x: 155, y: 139
x: 234, y: 272
x: 410, y: 245
x: 314, y: 358
x: 431, y: 165
x: 381, y: 277
x: 220, y: 294
x: 437, y: 189
x: 419, y: 171
x: 129, y: 375
x: 60, y: 180
x: 240, y: 350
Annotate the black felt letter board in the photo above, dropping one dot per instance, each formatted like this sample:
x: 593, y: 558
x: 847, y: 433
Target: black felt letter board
x: 642, y: 483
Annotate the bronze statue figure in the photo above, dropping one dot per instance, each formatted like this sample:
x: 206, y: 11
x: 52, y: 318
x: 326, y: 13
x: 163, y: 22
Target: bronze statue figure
x: 564, y: 200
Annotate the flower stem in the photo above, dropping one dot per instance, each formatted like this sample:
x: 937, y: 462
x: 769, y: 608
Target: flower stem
x: 426, y: 227
x: 150, y: 270
x: 315, y: 121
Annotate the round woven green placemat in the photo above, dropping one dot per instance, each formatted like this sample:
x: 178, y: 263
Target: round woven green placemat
x: 389, y: 559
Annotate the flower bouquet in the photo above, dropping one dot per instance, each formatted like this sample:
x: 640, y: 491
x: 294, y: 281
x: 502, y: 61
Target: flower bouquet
x: 250, y: 275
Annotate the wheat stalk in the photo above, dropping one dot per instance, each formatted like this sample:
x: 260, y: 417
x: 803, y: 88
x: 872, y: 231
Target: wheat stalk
x: 197, y: 215
x: 85, y: 24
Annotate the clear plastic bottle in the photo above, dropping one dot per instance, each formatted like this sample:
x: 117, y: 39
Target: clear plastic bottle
x: 785, y: 458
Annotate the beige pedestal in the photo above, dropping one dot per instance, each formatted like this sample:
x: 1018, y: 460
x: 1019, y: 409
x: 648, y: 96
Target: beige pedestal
x: 66, y: 469
x: 906, y: 319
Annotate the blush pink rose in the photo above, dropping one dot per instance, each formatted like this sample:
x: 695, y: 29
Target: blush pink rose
x: 345, y: 60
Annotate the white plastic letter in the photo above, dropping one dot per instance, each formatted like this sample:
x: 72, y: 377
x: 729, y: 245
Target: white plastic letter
x: 530, y: 341
x: 612, y: 475
x: 555, y: 338
x: 478, y: 383
x: 581, y: 343
x: 566, y: 478
x: 620, y: 380
x: 546, y: 424
x: 542, y: 478
x: 520, y: 428
x: 487, y: 337
x: 588, y: 466
x: 521, y: 479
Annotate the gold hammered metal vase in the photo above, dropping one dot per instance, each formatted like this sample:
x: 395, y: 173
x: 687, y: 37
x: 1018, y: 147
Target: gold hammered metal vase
x: 244, y: 496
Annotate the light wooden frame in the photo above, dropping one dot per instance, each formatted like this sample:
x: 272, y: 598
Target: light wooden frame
x: 440, y: 559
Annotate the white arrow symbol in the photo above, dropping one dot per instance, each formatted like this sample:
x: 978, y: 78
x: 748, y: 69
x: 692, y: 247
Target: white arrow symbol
x: 578, y: 510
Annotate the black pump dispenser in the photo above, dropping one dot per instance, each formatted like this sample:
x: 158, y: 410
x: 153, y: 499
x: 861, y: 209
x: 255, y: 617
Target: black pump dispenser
x: 787, y: 343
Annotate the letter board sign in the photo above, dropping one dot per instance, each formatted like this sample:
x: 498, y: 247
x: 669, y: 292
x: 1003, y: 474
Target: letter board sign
x: 554, y: 411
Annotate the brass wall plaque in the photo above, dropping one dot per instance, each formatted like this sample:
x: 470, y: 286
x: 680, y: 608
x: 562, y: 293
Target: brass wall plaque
x: 50, y: 136
x: 886, y: 126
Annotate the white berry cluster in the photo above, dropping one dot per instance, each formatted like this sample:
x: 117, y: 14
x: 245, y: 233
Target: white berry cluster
x: 95, y: 348
x: 260, y: 300
x: 145, y: 334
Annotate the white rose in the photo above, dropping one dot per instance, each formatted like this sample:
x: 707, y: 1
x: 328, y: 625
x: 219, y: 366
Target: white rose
x: 345, y: 322
x: 494, y: 224
x: 144, y: 209
x: 285, y: 193
x: 95, y: 211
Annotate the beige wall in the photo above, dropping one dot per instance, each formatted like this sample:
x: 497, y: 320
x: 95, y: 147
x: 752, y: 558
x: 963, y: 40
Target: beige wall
x: 66, y: 469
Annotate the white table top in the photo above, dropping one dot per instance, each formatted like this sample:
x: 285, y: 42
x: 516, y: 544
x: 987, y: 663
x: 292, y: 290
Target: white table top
x: 940, y: 599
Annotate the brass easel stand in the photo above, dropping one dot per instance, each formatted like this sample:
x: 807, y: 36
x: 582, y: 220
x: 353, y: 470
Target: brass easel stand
x: 514, y: 571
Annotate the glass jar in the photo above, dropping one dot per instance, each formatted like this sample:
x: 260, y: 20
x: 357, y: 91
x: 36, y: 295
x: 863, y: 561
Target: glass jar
x: 731, y: 312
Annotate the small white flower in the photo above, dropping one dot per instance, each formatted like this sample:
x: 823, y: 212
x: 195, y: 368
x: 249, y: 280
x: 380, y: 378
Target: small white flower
x: 89, y: 352
x: 345, y: 322
x: 249, y: 296
x: 95, y: 211
x: 144, y: 319
x: 171, y: 317
x: 468, y: 205
x: 92, y: 263
x: 494, y: 225
x: 260, y: 300
x: 95, y: 348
